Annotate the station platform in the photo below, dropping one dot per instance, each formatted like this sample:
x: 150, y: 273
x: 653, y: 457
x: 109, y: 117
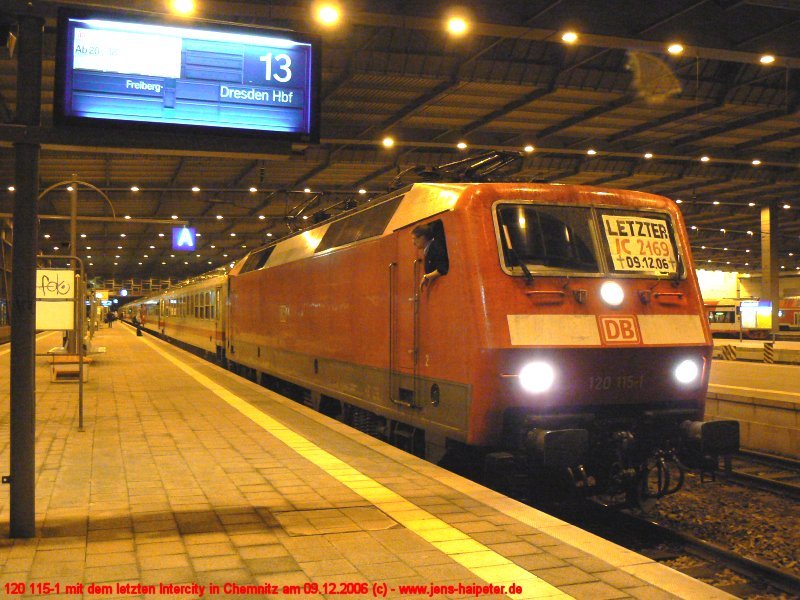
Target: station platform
x: 191, y: 482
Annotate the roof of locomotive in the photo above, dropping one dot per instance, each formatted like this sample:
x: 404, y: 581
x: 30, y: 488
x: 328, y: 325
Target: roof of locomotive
x: 420, y: 201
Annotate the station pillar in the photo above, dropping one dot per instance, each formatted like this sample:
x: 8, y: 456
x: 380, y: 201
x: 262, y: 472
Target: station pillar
x: 770, y: 283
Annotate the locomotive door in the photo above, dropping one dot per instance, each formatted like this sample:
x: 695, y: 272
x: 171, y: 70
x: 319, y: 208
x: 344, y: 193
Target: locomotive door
x: 404, y: 276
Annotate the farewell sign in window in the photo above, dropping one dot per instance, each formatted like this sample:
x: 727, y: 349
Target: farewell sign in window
x: 639, y: 244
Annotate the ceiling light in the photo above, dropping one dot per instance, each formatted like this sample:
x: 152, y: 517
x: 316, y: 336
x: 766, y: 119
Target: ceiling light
x: 88, y: 247
x: 529, y: 148
x: 212, y: 246
x: 693, y: 227
x: 591, y: 152
x: 145, y: 256
x: 751, y: 204
x: 116, y: 256
x: 122, y: 235
x: 70, y: 188
x: 119, y: 247
x: 678, y: 201
x: 219, y: 217
x: 749, y: 232
x: 388, y: 142
x: 11, y: 188
x: 91, y: 264
x: 233, y: 235
x: 648, y: 155
x: 197, y: 235
x: 115, y: 264
x: 160, y: 235
x: 173, y: 217
x: 327, y: 14
x: 362, y: 191
x: 172, y: 256
x: 307, y: 190
x: 183, y: 7
x: 786, y: 206
x: 675, y: 48
x: 756, y: 162
x: 722, y: 230
x: 88, y: 256
x: 224, y: 256
x: 569, y: 37
x: 195, y: 188
x: 163, y: 262
x: 198, y: 256
x: 269, y: 235
x: 704, y: 159
x: 461, y: 145
x: 253, y: 190
x: 261, y: 217
x: 305, y: 217
x: 83, y: 235
x: 715, y: 202
x: 56, y: 248
x: 152, y: 247
x: 457, y: 25
x: 134, y: 188
x: 47, y: 236
x: 748, y: 250
x: 767, y: 59
x: 127, y: 217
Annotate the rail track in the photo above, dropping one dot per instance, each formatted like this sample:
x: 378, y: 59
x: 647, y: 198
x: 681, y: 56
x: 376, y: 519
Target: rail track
x: 739, y: 575
x: 766, y: 472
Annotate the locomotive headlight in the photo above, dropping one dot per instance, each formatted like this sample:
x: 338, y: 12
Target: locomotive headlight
x: 611, y: 292
x: 537, y: 377
x: 687, y: 372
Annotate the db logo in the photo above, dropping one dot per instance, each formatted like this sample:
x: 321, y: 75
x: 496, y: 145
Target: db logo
x: 619, y: 330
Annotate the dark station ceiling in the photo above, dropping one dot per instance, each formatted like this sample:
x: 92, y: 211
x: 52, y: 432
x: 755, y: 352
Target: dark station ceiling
x: 390, y: 68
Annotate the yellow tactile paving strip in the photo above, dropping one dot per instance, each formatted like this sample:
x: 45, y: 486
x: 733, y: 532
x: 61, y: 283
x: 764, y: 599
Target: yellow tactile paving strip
x: 483, y: 562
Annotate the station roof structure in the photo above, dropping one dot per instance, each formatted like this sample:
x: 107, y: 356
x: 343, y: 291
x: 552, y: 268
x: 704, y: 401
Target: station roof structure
x: 614, y: 107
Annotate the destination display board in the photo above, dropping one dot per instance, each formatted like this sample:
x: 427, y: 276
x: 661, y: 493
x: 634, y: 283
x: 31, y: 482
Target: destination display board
x: 639, y: 244
x: 120, y: 68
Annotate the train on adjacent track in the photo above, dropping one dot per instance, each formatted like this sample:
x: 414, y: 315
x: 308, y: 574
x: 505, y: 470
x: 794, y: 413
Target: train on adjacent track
x: 751, y: 318
x: 567, y: 344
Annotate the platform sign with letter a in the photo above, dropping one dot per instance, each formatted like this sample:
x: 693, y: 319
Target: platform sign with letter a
x: 55, y: 299
x: 184, y: 238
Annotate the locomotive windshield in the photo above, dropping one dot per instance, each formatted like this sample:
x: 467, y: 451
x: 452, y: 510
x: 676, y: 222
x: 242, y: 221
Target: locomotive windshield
x: 560, y: 238
x: 555, y: 237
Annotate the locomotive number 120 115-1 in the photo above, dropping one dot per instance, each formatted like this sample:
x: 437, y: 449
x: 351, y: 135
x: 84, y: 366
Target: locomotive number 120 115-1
x: 616, y: 382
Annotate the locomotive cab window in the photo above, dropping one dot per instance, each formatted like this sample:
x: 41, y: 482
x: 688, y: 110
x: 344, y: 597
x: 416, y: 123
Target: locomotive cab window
x: 546, y: 238
x: 640, y: 243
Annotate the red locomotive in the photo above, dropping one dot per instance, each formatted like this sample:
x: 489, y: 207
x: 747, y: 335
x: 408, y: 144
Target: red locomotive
x: 567, y: 341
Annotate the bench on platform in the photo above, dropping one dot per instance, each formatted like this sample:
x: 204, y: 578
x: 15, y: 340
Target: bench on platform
x: 66, y: 368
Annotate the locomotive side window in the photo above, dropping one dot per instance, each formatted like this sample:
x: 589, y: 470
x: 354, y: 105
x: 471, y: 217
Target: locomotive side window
x: 640, y: 243
x: 360, y: 226
x: 256, y: 260
x: 547, y: 237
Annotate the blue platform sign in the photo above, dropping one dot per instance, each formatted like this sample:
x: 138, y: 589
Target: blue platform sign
x: 184, y: 238
x: 123, y: 67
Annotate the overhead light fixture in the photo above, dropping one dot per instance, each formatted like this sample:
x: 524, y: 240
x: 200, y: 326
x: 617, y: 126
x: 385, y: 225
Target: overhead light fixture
x: 591, y: 152
x: 134, y: 188
x: 751, y: 204
x: 219, y: 217
x: 253, y: 190
x: 648, y: 155
x: 183, y: 7
x: 269, y: 234
x: 261, y: 217
x: 327, y: 14
x: 461, y: 145
x: 127, y: 217
x: 569, y: 37
x: 83, y: 235
x: 675, y: 49
x: 233, y: 235
x: 704, y: 159
x: 195, y: 188
x: 678, y: 201
x: 767, y: 59
x: 362, y: 191
x: 388, y: 142
x: 787, y: 206
x: 11, y: 188
x: 160, y: 235
x: 457, y: 25
x: 122, y: 235
x: 70, y: 188
x: 173, y: 217
x: 756, y: 162
x: 529, y: 148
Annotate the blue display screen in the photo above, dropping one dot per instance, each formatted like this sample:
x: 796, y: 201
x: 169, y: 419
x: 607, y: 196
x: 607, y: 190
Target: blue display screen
x: 121, y: 69
x: 184, y: 238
